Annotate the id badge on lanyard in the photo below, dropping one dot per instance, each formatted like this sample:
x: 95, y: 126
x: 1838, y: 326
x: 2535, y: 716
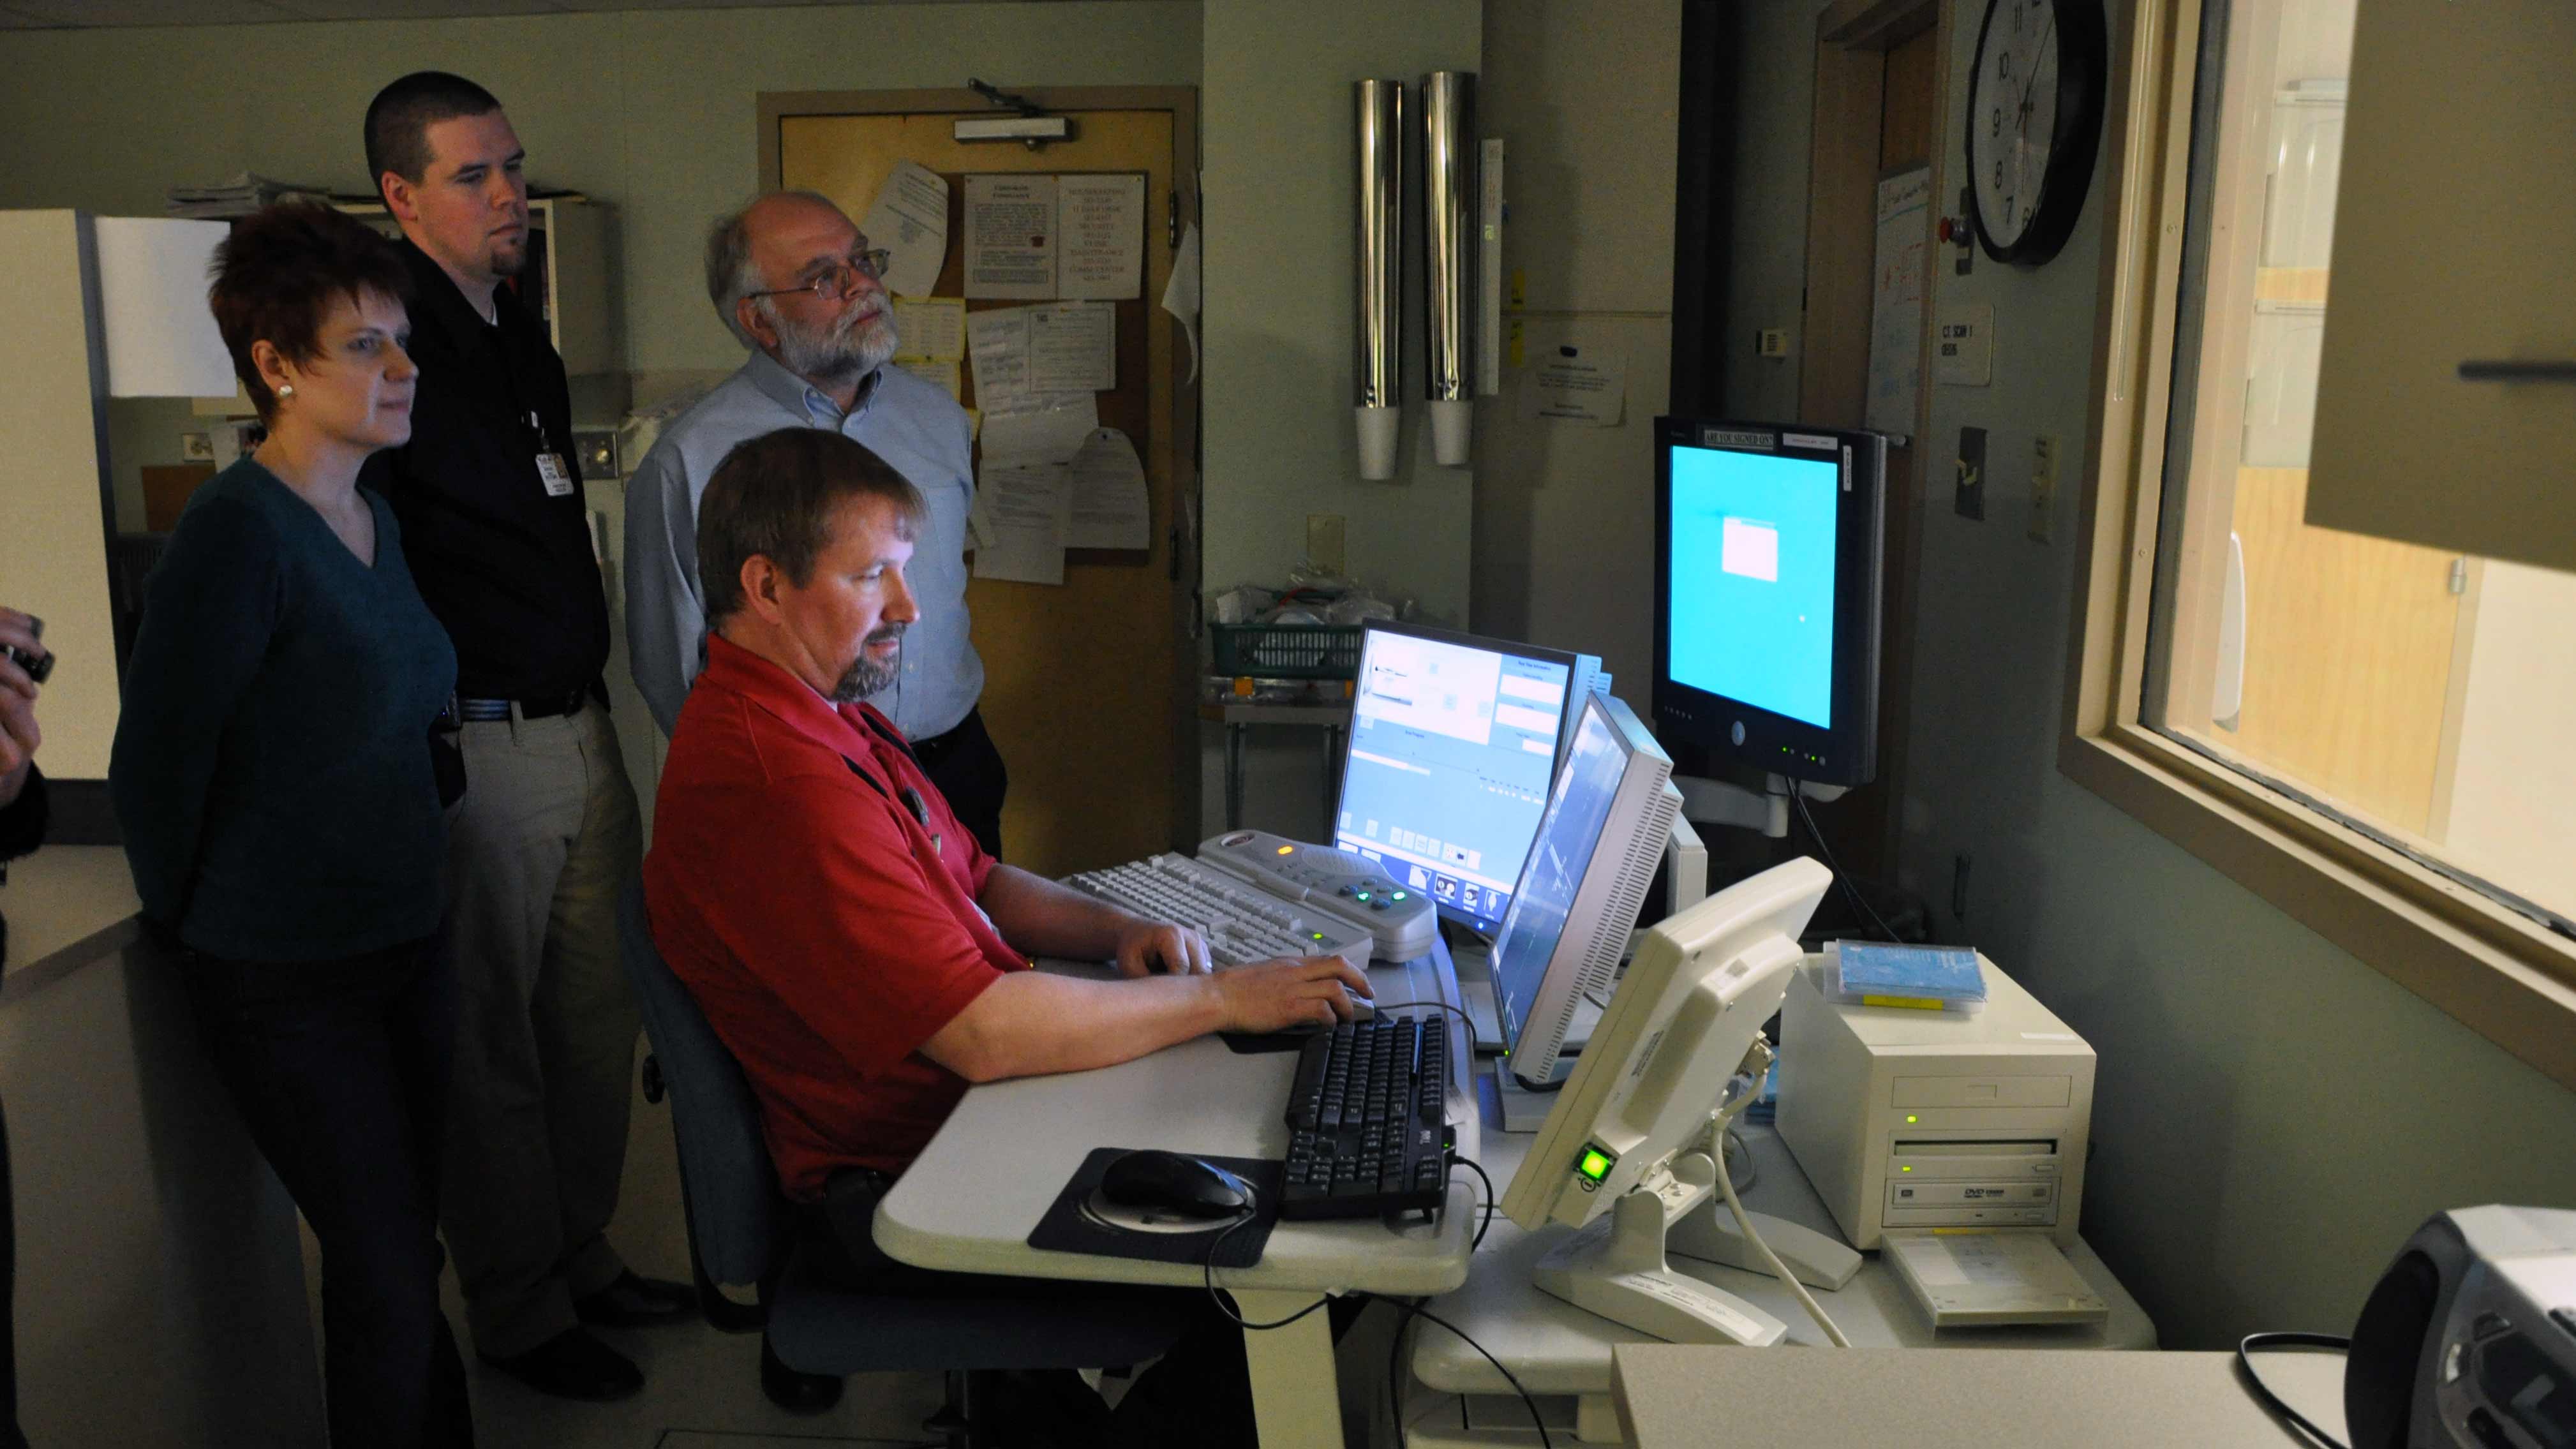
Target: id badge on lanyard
x: 551, y: 468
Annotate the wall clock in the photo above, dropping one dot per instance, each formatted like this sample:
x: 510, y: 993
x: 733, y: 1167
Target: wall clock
x: 2034, y: 122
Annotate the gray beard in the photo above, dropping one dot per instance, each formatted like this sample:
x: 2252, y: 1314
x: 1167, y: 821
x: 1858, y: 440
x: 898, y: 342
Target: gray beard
x: 837, y: 357
x: 863, y: 678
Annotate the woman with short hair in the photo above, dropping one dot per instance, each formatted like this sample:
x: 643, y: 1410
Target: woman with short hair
x: 272, y: 773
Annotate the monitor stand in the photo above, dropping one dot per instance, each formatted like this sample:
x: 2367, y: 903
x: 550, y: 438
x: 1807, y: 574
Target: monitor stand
x: 1615, y: 1266
x: 1708, y: 1233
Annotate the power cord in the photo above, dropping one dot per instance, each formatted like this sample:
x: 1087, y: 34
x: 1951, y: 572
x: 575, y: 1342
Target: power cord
x: 1760, y: 1055
x: 1798, y: 797
x: 1487, y: 1220
x: 2253, y: 1343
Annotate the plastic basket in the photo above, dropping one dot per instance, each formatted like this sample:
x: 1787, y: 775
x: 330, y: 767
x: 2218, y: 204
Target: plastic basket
x: 1287, y: 651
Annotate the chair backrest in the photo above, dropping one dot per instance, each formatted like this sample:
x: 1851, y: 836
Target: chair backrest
x: 730, y: 1187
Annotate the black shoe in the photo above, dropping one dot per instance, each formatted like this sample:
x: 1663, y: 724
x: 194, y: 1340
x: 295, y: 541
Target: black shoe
x: 795, y: 1392
x: 573, y: 1365
x: 634, y: 1301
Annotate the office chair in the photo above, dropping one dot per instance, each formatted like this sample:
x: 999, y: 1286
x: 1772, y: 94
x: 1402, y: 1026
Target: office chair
x: 740, y: 1232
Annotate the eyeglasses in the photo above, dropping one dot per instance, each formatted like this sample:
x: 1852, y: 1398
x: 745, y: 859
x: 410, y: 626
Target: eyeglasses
x: 836, y: 285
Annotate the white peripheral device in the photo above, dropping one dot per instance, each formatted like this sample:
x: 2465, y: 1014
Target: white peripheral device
x: 1908, y: 1119
x: 1241, y: 922
x: 1322, y: 880
x: 1627, y: 1154
x: 1964, y: 1278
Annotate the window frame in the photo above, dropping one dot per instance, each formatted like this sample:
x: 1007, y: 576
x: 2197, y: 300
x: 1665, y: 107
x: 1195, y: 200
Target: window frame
x: 2495, y: 970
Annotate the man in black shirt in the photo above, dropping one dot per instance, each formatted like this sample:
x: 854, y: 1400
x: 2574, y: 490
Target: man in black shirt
x: 498, y: 536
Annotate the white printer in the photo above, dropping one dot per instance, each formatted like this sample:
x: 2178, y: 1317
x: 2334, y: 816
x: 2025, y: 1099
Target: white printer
x: 1908, y: 1119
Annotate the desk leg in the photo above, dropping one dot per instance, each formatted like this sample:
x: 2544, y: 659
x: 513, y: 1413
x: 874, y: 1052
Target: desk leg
x: 1296, y: 1399
x: 1234, y: 777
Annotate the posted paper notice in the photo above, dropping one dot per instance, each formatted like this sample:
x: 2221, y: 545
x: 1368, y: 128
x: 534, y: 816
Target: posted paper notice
x: 1010, y: 236
x: 932, y: 329
x: 910, y: 220
x: 1022, y: 516
x: 1111, y: 508
x: 1575, y: 385
x: 1100, y: 230
x: 1023, y: 366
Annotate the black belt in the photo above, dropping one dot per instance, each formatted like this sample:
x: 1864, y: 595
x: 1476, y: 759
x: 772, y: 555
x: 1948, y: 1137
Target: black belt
x: 486, y: 711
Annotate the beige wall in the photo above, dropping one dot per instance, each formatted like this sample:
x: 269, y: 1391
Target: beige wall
x: 1279, y: 440
x: 2273, y: 1116
x: 2513, y: 800
x: 1587, y: 100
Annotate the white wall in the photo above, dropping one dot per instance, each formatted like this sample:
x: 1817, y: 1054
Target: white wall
x: 2513, y: 800
x: 2273, y: 1116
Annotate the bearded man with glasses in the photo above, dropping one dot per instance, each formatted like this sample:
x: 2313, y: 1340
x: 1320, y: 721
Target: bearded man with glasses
x: 796, y: 283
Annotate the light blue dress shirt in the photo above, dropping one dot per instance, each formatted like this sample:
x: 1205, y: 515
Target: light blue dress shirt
x: 911, y: 424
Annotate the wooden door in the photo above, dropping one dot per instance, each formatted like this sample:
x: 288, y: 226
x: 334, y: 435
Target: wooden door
x: 1086, y: 686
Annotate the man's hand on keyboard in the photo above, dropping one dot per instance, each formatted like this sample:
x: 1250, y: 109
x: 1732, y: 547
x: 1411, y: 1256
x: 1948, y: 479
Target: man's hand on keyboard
x: 1150, y: 948
x: 1295, y: 991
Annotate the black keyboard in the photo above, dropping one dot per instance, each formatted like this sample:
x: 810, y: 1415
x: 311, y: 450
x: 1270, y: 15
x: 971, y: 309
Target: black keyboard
x: 1368, y: 1120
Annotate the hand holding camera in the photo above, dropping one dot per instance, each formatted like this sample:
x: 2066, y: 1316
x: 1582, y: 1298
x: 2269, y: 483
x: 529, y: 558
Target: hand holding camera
x: 24, y: 664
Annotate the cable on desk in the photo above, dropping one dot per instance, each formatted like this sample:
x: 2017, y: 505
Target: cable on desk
x: 1761, y: 1057
x: 1736, y: 1140
x: 1416, y: 1311
x: 1798, y: 797
x: 2256, y: 1342
x: 1207, y: 1274
x: 1487, y: 1220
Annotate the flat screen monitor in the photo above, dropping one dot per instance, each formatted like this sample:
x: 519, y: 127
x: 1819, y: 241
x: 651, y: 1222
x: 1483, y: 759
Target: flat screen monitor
x: 1453, y: 743
x: 1597, y: 845
x: 1768, y: 544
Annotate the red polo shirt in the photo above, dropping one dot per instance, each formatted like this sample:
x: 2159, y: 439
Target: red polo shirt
x: 815, y: 920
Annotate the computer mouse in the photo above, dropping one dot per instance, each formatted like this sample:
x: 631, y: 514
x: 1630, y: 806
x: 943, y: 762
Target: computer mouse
x: 1175, y: 1183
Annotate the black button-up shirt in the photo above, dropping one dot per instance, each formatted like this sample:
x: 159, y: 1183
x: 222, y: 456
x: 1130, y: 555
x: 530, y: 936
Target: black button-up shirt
x: 506, y: 567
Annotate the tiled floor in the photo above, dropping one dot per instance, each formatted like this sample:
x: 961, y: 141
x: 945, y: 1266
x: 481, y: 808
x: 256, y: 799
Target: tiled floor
x: 701, y: 1387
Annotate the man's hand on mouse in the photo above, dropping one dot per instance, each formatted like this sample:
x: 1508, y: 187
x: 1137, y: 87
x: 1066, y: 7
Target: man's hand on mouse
x: 1295, y: 991
x: 1147, y: 948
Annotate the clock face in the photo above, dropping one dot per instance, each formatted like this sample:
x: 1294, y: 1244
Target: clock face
x: 2034, y: 118
x: 2016, y: 118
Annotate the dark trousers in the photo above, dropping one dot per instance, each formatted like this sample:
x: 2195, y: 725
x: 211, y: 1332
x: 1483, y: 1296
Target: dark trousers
x: 967, y: 768
x: 1198, y: 1396
x: 10, y: 1436
x: 340, y: 1071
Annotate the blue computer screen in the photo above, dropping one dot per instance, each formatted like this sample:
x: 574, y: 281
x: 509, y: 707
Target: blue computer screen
x: 1447, y: 770
x: 1567, y: 833
x: 1752, y: 603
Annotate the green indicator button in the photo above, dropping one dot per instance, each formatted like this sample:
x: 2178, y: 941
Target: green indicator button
x: 1399, y: 895
x: 1595, y: 1164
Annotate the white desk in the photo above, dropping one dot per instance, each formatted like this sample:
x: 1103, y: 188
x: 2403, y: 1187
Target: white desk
x: 1684, y: 1397
x: 1559, y: 1350
x: 968, y: 1203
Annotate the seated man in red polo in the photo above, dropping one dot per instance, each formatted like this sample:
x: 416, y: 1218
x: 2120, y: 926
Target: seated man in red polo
x: 849, y: 941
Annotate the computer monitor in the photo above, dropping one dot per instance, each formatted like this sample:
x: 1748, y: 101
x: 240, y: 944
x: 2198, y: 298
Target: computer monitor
x: 1453, y: 744
x: 1768, y: 545
x: 1629, y: 1135
x: 1597, y: 846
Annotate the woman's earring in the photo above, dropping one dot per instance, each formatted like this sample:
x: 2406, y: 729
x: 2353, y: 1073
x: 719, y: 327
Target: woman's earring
x: 286, y: 389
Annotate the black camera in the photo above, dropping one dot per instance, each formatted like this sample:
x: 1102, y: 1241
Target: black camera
x: 38, y: 666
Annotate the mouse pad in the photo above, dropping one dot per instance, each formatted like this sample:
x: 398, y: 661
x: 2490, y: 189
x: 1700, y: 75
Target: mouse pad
x: 1076, y: 1222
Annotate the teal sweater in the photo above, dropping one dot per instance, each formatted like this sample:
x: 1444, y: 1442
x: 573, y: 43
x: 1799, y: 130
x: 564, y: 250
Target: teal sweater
x: 271, y: 770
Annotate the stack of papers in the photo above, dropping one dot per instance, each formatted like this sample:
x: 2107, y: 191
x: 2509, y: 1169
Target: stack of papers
x: 245, y: 193
x: 1928, y: 978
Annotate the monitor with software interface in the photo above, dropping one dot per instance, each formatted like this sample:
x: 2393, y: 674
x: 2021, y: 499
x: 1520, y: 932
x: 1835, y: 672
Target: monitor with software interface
x: 1624, y: 1131
x: 1454, y: 741
x: 1767, y: 595
x: 1606, y: 824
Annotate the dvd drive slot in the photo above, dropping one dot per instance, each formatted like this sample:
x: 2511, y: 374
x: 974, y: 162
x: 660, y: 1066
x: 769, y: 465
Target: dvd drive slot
x: 1984, y: 1147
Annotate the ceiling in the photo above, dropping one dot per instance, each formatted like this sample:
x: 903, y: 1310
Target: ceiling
x: 106, y: 14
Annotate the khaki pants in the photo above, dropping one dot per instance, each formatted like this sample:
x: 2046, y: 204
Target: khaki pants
x: 538, y: 849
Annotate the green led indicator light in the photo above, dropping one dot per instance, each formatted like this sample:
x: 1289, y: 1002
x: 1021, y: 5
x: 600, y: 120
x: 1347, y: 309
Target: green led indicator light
x: 1910, y: 1117
x: 1905, y: 1169
x: 1399, y: 895
x: 1319, y: 935
x: 1594, y: 1166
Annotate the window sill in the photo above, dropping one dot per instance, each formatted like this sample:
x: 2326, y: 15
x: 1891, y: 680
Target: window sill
x: 2497, y: 972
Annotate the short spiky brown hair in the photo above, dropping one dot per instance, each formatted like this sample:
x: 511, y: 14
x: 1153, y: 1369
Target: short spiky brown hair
x: 773, y: 496
x: 274, y: 278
